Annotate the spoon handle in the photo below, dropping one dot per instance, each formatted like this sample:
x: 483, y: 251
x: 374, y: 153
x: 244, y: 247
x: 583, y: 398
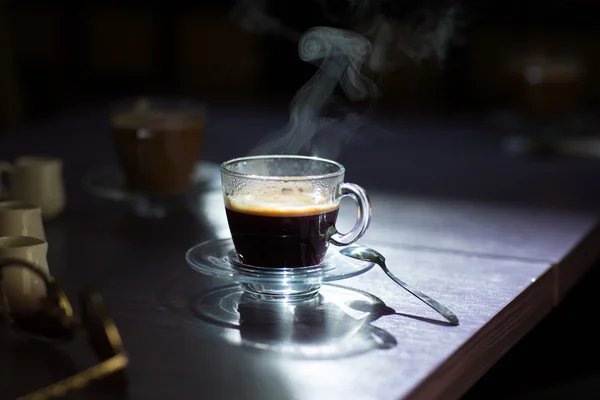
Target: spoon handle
x: 445, y: 312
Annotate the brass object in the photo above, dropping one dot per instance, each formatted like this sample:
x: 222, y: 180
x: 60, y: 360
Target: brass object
x: 55, y: 321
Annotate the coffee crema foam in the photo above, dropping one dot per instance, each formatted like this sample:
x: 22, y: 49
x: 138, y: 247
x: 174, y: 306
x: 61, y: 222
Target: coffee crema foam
x: 282, y: 205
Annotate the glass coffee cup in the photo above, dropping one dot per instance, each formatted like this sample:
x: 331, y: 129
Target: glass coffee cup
x: 158, y: 143
x: 282, y: 209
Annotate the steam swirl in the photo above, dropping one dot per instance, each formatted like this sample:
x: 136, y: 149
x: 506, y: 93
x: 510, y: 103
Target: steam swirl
x: 340, y: 53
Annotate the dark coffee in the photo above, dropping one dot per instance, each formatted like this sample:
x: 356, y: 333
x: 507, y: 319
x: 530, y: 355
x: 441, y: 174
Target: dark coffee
x: 157, y: 150
x: 289, y: 231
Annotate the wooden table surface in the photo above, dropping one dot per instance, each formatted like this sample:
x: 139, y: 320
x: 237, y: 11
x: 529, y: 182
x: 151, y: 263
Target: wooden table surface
x: 498, y: 240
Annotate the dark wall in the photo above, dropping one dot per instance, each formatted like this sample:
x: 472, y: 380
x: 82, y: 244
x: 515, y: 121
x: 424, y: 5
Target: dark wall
x: 69, y: 53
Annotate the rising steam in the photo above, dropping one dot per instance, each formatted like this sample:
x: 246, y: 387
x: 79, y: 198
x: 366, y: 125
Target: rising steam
x: 348, y: 58
x: 339, y: 55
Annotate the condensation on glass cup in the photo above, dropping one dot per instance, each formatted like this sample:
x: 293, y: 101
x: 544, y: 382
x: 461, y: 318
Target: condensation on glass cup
x: 282, y: 209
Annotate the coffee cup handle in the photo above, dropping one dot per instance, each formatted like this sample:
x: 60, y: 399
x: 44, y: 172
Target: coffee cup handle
x: 5, y: 168
x: 360, y: 197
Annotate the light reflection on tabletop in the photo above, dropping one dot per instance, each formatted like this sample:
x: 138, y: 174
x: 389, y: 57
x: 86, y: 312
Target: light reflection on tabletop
x: 337, y: 323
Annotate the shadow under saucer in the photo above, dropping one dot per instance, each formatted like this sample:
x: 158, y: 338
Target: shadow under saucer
x: 335, y: 323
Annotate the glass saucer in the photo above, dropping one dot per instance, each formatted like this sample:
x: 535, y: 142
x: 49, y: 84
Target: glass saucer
x: 218, y: 258
x: 109, y: 183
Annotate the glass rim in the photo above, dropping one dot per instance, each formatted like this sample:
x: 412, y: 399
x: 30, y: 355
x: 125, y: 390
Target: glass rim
x: 20, y: 241
x: 225, y: 170
x: 17, y: 205
x: 187, y: 104
x: 36, y: 160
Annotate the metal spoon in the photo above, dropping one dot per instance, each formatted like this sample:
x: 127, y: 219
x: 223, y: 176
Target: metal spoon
x: 366, y: 254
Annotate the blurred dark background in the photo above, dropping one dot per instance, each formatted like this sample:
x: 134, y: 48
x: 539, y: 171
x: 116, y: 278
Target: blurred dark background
x: 56, y: 55
x: 536, y: 56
